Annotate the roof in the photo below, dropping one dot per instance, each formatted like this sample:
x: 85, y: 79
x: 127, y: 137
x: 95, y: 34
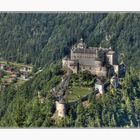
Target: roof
x: 99, y: 82
x: 91, y: 50
x: 85, y: 50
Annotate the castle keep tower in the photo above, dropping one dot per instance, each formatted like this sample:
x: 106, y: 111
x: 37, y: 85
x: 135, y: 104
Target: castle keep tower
x: 60, y: 108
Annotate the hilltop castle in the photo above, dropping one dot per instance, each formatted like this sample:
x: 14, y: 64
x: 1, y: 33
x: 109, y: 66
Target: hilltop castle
x: 98, y: 61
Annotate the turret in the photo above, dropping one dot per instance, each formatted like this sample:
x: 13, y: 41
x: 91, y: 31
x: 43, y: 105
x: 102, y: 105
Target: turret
x: 81, y: 44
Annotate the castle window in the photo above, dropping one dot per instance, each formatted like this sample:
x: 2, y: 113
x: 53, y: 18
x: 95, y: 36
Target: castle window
x: 83, y: 67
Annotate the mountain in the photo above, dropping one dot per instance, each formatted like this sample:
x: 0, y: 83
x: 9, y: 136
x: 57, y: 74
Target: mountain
x: 41, y: 38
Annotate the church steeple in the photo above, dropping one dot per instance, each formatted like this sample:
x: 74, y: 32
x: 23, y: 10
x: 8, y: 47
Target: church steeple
x: 81, y: 40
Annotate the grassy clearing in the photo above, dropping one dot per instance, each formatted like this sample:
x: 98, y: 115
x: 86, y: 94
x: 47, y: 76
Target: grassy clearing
x: 18, y: 65
x: 76, y: 92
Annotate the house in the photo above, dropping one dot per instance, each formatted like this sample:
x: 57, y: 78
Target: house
x: 2, y: 66
x: 9, y: 69
x: 25, y: 69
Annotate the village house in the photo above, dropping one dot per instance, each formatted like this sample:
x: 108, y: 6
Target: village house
x: 9, y: 70
x: 25, y: 69
x: 24, y: 76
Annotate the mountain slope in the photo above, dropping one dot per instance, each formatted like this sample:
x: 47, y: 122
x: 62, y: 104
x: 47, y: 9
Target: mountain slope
x: 42, y: 38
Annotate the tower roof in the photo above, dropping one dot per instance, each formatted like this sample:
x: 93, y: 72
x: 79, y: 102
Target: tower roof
x: 81, y: 44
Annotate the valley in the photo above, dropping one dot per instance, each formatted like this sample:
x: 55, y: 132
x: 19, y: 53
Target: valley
x: 69, y: 70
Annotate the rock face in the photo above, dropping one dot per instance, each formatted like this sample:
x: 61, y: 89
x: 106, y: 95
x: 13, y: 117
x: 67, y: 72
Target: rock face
x: 92, y: 59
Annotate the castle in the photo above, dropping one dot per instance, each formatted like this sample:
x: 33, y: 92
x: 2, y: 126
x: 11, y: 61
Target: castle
x: 96, y: 60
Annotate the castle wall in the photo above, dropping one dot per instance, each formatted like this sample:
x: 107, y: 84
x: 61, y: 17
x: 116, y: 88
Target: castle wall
x: 116, y: 69
x: 113, y: 60
x: 75, y: 56
x: 110, y: 59
x: 101, y: 72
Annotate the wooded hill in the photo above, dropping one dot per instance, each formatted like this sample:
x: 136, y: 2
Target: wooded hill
x: 41, y: 38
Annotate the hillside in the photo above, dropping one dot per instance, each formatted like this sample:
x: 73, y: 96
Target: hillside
x: 42, y: 38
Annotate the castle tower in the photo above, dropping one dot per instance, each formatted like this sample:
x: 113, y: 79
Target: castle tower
x: 112, y: 57
x: 60, y: 108
x: 81, y: 44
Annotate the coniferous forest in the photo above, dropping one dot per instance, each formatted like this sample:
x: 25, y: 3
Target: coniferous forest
x: 40, y: 41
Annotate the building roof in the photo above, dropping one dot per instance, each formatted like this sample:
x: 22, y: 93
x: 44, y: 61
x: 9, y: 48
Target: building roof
x: 91, y: 50
x: 85, y: 50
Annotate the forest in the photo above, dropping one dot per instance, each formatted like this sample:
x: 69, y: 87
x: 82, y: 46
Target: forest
x: 42, y: 40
